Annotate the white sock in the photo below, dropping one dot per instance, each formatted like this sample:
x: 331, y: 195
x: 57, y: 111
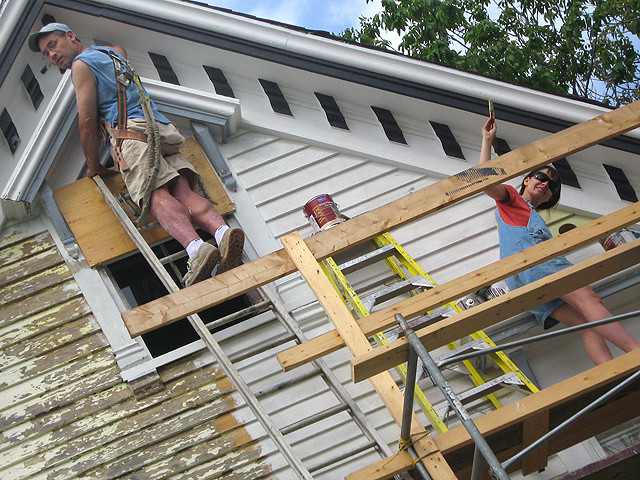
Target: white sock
x: 220, y: 233
x: 193, y: 247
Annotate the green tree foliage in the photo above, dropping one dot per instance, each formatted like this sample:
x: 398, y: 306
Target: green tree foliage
x: 578, y: 47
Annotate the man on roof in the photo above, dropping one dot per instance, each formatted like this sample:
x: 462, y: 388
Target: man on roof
x: 107, y: 94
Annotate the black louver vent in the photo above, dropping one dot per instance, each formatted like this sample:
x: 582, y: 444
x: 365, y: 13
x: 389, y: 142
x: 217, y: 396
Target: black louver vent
x: 389, y: 125
x: 449, y: 144
x: 276, y: 98
x: 164, y: 69
x: 219, y: 81
x: 621, y: 182
x: 331, y: 109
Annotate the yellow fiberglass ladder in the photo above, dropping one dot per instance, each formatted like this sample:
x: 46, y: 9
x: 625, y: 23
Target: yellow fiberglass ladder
x: 412, y: 279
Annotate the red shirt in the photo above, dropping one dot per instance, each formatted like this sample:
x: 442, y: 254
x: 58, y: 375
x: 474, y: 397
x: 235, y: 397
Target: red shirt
x: 515, y: 211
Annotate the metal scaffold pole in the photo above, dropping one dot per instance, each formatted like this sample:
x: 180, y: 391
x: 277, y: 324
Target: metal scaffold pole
x: 495, y: 468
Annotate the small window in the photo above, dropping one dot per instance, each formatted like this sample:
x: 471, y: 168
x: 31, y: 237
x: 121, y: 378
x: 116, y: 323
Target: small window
x: 9, y: 131
x: 219, y: 81
x: 164, y: 69
x: 331, y: 109
x: 567, y: 174
x: 31, y: 85
x: 389, y: 125
x: 449, y: 144
x: 276, y: 98
x: 623, y: 187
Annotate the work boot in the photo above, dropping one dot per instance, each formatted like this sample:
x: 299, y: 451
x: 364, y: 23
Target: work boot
x: 200, y: 266
x: 231, y: 249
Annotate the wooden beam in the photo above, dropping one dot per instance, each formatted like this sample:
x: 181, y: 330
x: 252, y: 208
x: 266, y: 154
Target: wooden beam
x: 575, y: 391
x: 532, y: 429
x: 430, y: 199
x: 503, y: 428
x: 343, y: 320
x: 384, y: 469
x: 471, y: 282
x: 500, y: 308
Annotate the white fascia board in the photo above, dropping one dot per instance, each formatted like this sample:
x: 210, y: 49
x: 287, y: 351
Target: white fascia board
x: 39, y: 142
x: 196, y: 101
x: 422, y: 72
x: 189, y: 101
x: 10, y: 14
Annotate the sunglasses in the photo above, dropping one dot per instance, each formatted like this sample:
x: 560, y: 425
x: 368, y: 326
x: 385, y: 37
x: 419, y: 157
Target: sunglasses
x: 553, y: 185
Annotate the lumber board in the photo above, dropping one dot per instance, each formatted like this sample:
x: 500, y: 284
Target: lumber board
x: 497, y: 309
x: 437, y: 196
x: 385, y: 468
x: 343, y: 320
x: 533, y: 429
x: 504, y: 428
x: 96, y: 229
x: 420, y: 304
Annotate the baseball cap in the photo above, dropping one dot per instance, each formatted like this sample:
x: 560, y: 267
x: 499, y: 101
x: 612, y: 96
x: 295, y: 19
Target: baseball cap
x: 50, y: 27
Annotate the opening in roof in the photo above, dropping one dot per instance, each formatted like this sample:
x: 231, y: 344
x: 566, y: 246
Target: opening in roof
x: 139, y: 285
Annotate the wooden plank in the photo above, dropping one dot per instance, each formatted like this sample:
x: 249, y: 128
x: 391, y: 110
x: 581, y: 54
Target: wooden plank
x: 34, y: 284
x: 29, y: 266
x: 503, y: 428
x: 567, y: 396
x: 500, y: 308
x: 271, y: 267
x: 58, y: 398
x: 34, y: 325
x: 99, y: 233
x: 20, y: 248
x: 469, y: 283
x: 385, y: 468
x: 532, y: 429
x: 343, y: 320
x: 36, y: 304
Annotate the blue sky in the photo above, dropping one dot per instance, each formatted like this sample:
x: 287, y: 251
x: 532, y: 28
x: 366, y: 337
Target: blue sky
x: 329, y: 15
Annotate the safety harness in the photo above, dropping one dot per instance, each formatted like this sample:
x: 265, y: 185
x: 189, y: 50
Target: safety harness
x: 124, y: 75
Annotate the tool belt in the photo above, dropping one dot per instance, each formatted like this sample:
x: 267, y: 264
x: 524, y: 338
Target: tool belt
x: 119, y: 135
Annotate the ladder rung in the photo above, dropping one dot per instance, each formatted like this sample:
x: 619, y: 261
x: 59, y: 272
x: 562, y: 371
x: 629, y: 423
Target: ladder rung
x: 485, y: 389
x: 477, y: 344
x: 394, y: 290
x: 349, y: 453
x: 367, y: 259
x: 305, y: 422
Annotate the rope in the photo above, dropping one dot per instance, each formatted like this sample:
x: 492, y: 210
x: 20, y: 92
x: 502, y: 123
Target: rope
x: 153, y: 152
x: 403, y: 446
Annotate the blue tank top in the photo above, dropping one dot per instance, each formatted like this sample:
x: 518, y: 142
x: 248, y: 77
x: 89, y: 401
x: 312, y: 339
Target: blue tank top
x: 102, y: 67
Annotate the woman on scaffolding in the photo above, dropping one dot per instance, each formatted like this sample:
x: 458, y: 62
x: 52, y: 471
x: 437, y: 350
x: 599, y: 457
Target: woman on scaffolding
x: 519, y: 227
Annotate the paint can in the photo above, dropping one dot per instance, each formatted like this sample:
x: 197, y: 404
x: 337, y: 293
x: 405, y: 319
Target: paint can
x: 617, y: 238
x: 322, y: 212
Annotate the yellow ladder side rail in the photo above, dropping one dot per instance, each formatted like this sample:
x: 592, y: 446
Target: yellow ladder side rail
x: 501, y: 359
x: 504, y: 362
x: 350, y: 297
x: 412, y: 266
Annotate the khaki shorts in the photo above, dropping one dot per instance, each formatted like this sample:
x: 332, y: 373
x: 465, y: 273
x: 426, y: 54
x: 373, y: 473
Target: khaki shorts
x: 172, y: 164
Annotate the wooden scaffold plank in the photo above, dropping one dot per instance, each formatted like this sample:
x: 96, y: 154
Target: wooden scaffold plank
x: 418, y: 204
x: 497, y: 309
x: 344, y: 322
x: 505, y: 428
x: 420, y: 304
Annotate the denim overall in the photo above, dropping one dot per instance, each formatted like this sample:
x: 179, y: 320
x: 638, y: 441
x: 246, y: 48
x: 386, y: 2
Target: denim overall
x: 514, y: 240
